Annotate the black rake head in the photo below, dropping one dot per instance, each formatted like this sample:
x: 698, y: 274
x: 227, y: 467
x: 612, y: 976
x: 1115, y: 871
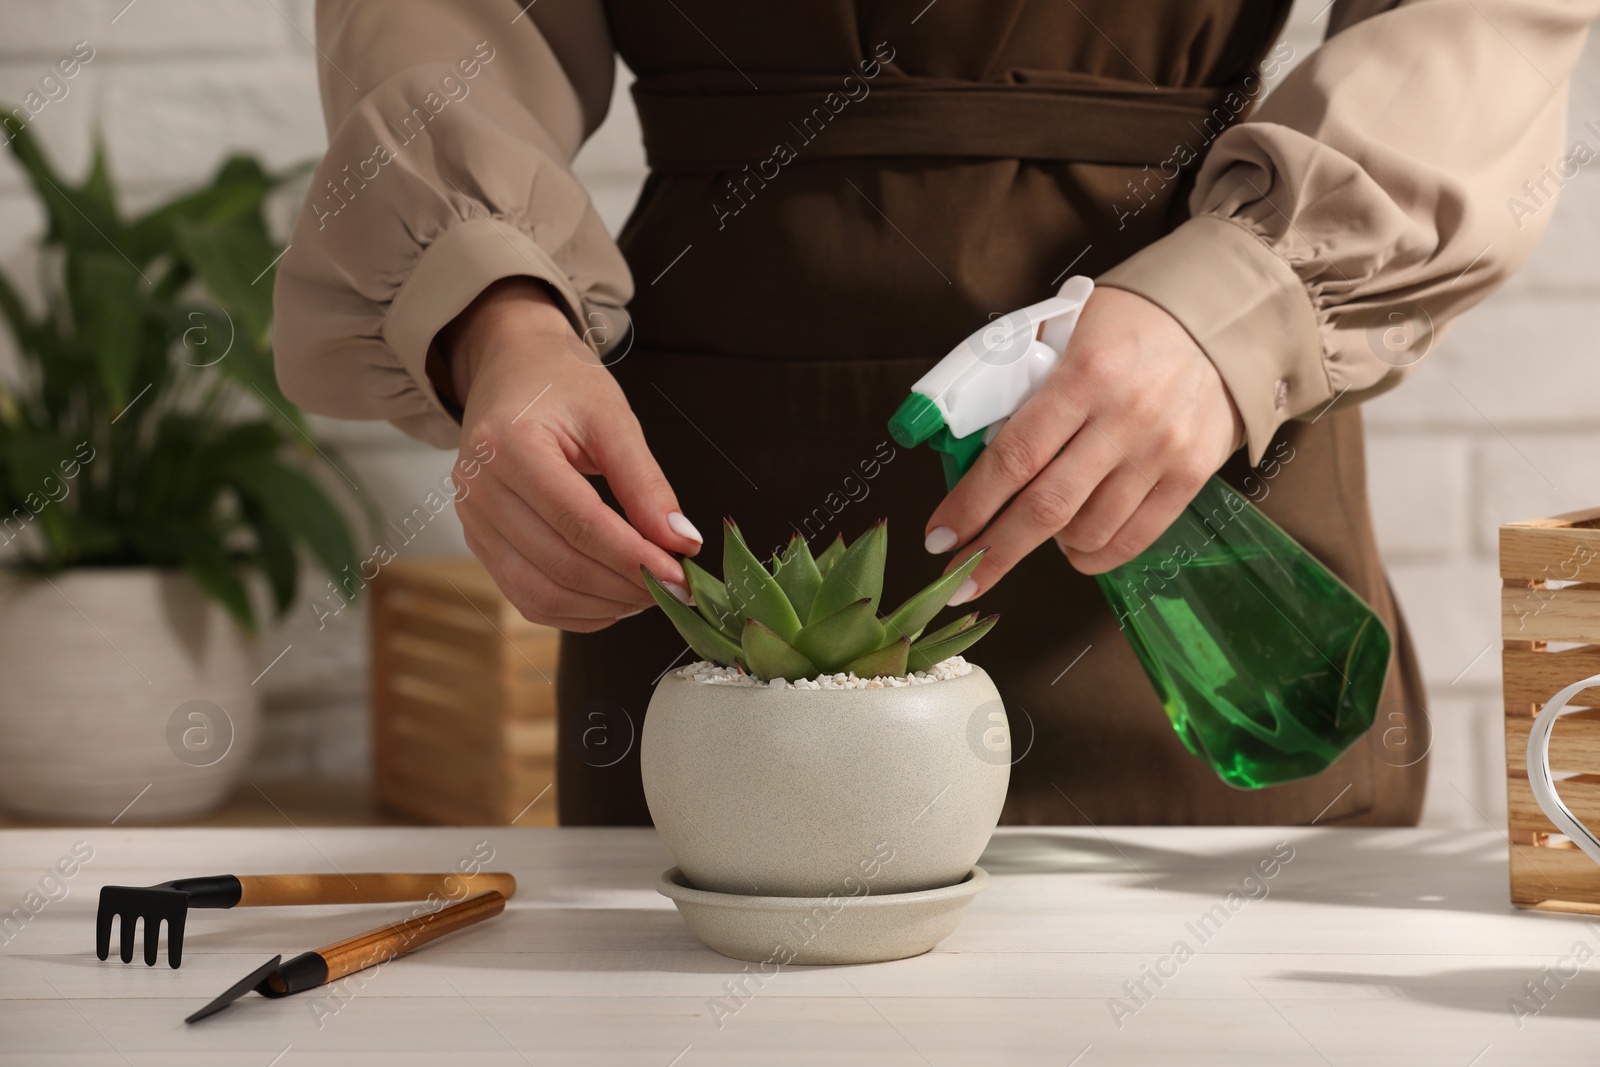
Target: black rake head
x: 167, y: 903
x: 154, y: 905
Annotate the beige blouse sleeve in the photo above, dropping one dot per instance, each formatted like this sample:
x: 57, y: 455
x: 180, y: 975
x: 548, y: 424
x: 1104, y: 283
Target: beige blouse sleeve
x: 451, y: 125
x: 1372, y: 198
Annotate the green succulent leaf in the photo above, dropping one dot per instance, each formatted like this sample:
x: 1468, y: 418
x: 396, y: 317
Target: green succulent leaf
x: 770, y: 656
x: 924, y: 654
x: 909, y: 618
x: 857, y: 574
x: 835, y: 640
x: 961, y: 625
x: 705, y: 639
x: 752, y: 591
x: 711, y: 599
x: 798, y: 575
x: 886, y: 662
x: 830, y: 555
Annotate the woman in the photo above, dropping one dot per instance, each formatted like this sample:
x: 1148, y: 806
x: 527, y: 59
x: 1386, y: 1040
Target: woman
x: 842, y: 191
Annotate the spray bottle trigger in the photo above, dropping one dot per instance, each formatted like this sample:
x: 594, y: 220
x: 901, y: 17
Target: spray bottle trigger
x: 958, y: 454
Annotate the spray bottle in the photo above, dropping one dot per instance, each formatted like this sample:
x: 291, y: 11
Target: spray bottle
x: 1268, y: 665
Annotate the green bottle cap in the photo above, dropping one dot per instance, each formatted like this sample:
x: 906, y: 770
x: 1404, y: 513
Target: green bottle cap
x: 916, y: 420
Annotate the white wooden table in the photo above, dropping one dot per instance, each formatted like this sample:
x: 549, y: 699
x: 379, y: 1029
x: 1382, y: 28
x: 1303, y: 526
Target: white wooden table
x: 1369, y: 947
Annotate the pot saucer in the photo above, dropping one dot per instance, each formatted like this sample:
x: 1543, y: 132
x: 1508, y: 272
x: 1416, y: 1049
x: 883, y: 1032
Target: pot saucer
x: 821, y: 930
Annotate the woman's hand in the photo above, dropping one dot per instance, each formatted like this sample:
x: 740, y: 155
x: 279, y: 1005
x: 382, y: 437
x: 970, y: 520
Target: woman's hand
x: 541, y: 411
x: 1103, y: 458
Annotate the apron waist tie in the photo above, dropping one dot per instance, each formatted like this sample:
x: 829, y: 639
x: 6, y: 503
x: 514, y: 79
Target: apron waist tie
x: 689, y: 126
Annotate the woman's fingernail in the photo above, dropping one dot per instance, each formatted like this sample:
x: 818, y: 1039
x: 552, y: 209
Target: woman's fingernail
x: 940, y: 539
x: 968, y: 590
x: 681, y: 592
x: 681, y: 526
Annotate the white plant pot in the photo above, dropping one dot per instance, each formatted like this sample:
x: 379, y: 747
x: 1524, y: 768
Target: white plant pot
x: 116, y: 679
x: 790, y: 792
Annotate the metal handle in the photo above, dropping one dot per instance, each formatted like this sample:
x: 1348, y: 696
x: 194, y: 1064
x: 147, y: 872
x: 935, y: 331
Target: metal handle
x: 1544, y: 786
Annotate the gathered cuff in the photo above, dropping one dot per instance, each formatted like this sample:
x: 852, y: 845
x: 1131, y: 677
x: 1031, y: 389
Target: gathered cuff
x: 1246, y: 308
x: 452, y: 271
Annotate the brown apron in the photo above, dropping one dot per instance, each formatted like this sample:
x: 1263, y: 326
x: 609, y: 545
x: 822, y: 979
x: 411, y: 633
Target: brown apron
x: 840, y: 192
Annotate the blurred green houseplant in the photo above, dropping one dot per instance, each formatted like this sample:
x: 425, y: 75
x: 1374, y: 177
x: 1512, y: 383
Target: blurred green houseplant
x: 145, y: 427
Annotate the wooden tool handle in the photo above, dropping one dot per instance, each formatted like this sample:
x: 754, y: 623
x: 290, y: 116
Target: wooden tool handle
x: 385, y: 943
x: 263, y: 890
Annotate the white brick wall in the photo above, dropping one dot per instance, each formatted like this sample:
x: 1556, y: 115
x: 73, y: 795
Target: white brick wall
x: 1469, y: 443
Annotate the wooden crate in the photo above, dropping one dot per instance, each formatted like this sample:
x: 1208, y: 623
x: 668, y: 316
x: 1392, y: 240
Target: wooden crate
x: 1550, y: 596
x: 463, y: 698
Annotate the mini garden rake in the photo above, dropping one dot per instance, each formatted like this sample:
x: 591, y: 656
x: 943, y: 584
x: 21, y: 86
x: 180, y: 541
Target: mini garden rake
x: 170, y: 902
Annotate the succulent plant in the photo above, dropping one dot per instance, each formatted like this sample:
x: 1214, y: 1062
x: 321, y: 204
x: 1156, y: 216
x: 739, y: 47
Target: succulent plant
x: 813, y: 615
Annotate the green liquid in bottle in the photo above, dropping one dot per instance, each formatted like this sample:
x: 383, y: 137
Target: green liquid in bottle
x: 1267, y: 664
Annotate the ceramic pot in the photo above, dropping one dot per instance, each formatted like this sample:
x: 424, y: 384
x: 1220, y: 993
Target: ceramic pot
x: 798, y: 792
x: 117, y: 679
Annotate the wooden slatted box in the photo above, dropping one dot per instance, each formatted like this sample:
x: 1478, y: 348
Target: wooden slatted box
x: 463, y: 698
x: 1550, y: 623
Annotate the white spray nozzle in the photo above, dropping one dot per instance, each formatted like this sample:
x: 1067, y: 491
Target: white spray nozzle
x: 991, y: 373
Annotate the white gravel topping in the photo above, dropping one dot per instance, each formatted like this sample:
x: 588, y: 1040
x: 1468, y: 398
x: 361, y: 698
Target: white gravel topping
x: 713, y: 674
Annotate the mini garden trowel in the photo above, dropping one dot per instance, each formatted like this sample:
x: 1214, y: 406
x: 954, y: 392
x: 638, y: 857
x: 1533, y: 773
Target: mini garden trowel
x: 321, y: 966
